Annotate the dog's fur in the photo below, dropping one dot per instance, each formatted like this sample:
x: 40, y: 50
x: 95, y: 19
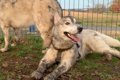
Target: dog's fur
x: 70, y: 49
x: 93, y: 41
x: 23, y: 13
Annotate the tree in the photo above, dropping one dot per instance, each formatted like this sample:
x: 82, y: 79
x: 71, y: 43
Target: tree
x: 115, y: 7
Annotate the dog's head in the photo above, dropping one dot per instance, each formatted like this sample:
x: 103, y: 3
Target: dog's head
x: 66, y: 28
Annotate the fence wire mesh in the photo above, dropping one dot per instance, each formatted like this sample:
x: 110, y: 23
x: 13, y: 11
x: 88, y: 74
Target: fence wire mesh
x: 100, y: 15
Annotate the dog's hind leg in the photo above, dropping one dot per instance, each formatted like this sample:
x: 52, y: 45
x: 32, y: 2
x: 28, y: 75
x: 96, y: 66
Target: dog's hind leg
x: 44, y: 28
x: 17, y: 36
x: 67, y: 61
x: 46, y: 62
x: 6, y: 38
x: 112, y: 51
x: 107, y: 50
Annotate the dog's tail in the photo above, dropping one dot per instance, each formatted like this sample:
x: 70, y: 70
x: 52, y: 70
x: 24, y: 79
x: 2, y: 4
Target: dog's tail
x: 110, y: 41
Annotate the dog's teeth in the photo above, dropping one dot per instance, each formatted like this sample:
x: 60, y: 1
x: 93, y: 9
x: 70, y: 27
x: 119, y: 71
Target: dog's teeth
x: 68, y: 34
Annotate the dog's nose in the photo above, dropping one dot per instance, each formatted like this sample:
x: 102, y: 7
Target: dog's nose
x: 80, y: 29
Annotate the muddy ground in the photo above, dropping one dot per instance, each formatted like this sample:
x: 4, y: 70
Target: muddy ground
x: 20, y: 61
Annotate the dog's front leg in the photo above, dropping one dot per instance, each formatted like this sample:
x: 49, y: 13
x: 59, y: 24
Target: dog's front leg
x: 46, y: 61
x: 6, y: 38
x: 67, y: 60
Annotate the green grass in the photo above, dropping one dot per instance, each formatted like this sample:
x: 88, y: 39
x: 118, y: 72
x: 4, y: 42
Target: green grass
x: 95, y: 66
x: 2, y: 77
x: 24, y: 59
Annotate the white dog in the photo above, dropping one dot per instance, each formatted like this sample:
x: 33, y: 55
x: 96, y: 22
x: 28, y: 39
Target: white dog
x: 71, y: 41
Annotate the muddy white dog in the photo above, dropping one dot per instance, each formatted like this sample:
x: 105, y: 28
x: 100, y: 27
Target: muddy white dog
x: 70, y: 40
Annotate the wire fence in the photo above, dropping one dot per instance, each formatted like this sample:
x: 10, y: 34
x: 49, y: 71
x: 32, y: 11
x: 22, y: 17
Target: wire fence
x: 100, y: 15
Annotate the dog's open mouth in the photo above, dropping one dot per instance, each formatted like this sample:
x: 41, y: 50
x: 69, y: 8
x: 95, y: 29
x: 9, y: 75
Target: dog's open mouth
x: 72, y: 37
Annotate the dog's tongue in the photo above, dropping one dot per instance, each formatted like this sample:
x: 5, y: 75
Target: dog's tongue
x: 74, y: 38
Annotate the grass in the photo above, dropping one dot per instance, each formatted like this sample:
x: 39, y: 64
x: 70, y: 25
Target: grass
x: 2, y: 77
x: 20, y: 61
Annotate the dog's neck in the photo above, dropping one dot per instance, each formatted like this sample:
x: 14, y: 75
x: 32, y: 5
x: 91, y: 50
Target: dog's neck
x: 61, y: 44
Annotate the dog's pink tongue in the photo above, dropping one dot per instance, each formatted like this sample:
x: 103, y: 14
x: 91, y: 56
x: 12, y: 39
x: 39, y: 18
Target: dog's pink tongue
x: 74, y: 38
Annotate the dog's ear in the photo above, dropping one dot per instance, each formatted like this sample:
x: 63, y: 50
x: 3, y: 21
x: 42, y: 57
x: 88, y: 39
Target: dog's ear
x: 57, y: 18
x: 74, y: 20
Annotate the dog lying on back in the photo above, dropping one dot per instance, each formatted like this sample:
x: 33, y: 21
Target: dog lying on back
x: 72, y: 41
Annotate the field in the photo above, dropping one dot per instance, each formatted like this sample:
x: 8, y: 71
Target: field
x: 96, y: 19
x: 20, y: 61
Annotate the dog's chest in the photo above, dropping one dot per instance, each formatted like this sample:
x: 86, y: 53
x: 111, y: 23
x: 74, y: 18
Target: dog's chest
x: 76, y: 48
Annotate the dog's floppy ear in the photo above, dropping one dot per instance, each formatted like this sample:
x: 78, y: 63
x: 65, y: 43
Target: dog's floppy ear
x: 57, y: 18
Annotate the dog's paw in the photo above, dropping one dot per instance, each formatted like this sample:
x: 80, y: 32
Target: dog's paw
x: 49, y: 77
x: 109, y: 57
x: 3, y: 50
x: 36, y: 75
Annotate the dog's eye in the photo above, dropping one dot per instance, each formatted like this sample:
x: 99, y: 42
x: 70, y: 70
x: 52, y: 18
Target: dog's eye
x: 67, y: 23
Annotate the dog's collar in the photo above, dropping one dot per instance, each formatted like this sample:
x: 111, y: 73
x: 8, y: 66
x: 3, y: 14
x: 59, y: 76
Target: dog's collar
x: 61, y: 49
x: 78, y: 46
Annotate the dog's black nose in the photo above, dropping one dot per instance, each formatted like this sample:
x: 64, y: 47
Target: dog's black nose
x: 80, y: 29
